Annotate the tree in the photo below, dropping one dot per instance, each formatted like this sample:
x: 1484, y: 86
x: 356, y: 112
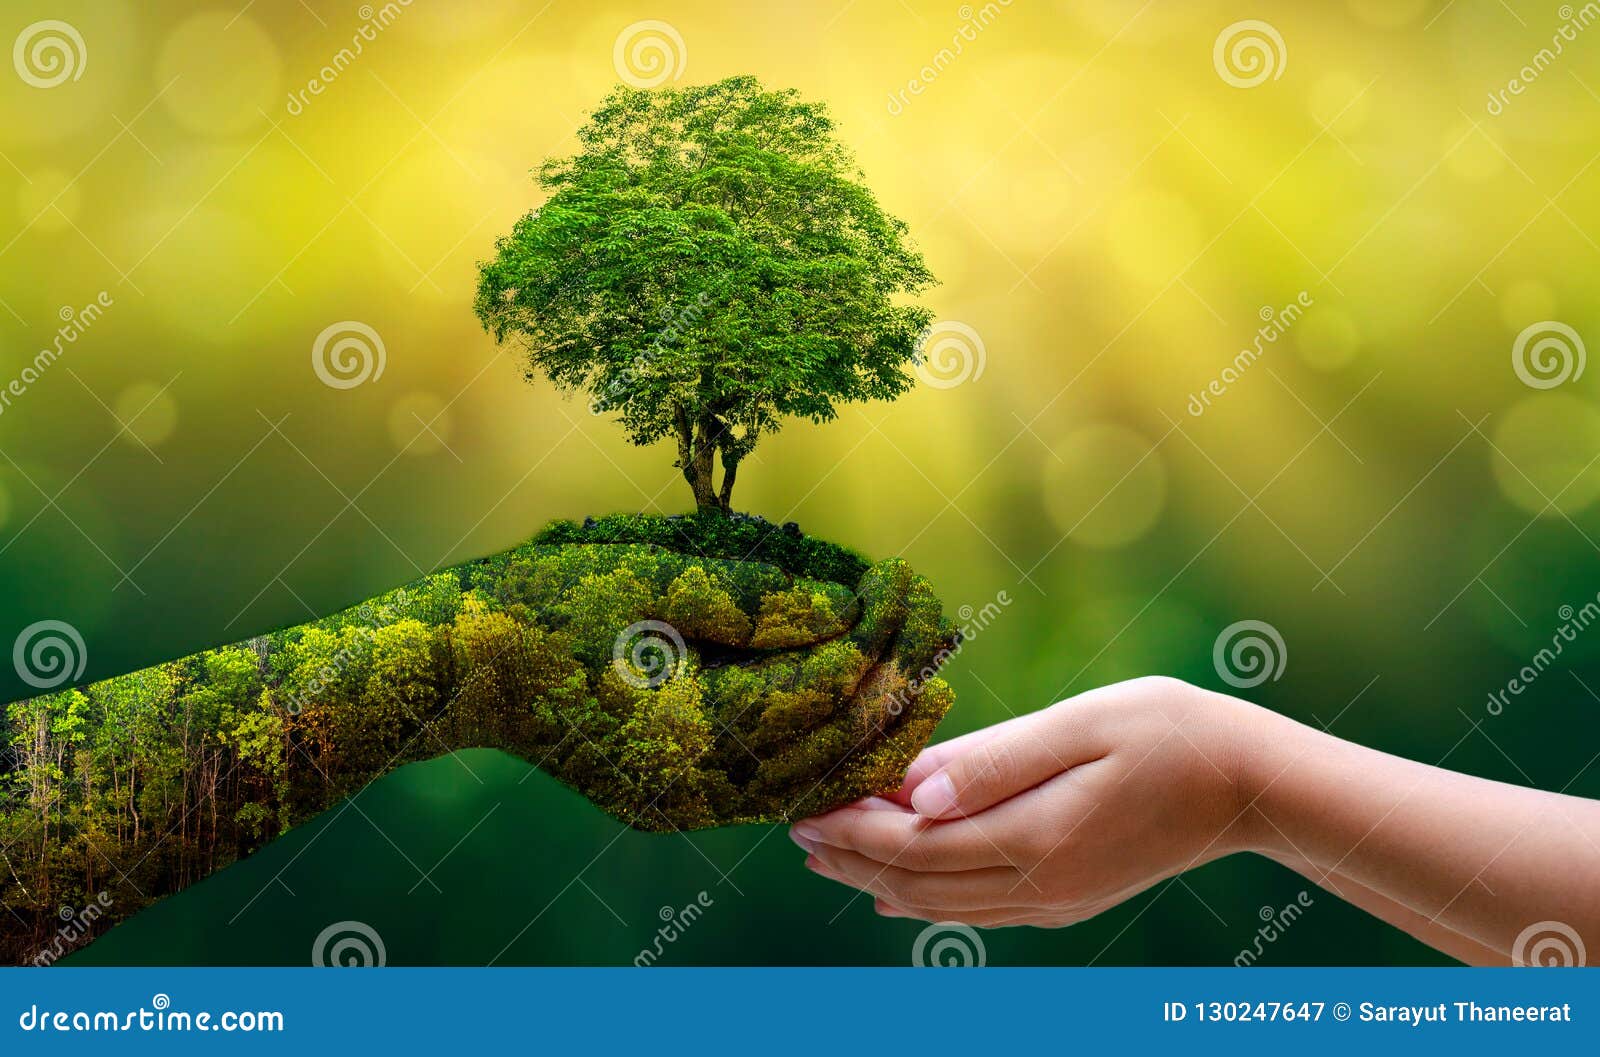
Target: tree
x: 707, y: 263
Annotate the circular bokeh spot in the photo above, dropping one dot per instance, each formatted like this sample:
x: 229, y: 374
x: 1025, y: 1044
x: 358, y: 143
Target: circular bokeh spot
x: 1544, y: 454
x: 1106, y: 486
x: 1152, y: 235
x: 1525, y: 301
x: 1469, y: 155
x: 1387, y: 14
x: 419, y: 424
x: 223, y: 70
x: 49, y: 200
x: 1327, y: 339
x: 1341, y: 101
x: 148, y: 414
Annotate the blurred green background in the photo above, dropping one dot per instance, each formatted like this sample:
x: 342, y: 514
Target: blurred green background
x: 1109, y: 211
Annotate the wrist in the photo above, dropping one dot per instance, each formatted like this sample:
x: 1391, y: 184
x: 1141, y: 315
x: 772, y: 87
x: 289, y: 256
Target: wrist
x: 1259, y: 745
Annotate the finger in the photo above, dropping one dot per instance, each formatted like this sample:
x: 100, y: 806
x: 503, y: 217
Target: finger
x: 997, y: 918
x: 967, y: 890
x: 1038, y: 748
x: 935, y: 757
x: 896, y: 835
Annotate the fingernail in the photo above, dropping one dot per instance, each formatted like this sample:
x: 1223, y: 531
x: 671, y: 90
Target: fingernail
x: 807, y: 831
x: 935, y: 796
x: 801, y: 839
x: 885, y: 910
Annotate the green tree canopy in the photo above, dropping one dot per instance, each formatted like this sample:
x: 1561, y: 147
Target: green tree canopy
x: 708, y: 262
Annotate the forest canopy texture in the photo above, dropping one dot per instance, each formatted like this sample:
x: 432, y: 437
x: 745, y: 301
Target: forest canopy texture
x: 679, y: 672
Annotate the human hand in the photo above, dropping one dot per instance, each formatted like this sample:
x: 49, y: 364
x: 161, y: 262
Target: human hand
x: 1052, y: 817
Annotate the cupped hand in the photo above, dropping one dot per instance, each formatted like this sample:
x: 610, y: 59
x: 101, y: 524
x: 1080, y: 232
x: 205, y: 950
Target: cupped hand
x: 1052, y: 817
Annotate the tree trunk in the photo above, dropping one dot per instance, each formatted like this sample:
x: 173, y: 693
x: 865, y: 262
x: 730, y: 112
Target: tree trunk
x: 730, y: 470
x: 701, y: 466
x: 695, y: 454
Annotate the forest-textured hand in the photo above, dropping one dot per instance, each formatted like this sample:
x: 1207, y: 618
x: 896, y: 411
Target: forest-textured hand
x: 679, y: 672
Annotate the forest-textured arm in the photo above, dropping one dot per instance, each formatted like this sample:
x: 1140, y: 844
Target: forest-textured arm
x: 679, y: 672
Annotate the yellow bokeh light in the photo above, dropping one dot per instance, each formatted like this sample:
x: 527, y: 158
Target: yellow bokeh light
x: 1327, y: 339
x: 1526, y: 301
x: 1152, y: 235
x: 1340, y: 100
x: 1387, y: 14
x: 1105, y: 485
x: 1543, y: 457
x: 147, y: 412
x: 223, y: 71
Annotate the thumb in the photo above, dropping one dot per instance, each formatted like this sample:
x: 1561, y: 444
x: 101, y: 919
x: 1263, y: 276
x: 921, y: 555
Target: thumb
x: 1020, y: 755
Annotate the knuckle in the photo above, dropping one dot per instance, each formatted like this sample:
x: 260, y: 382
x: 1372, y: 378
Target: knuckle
x: 913, y: 854
x: 991, y: 766
x: 1162, y: 686
x: 900, y: 889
